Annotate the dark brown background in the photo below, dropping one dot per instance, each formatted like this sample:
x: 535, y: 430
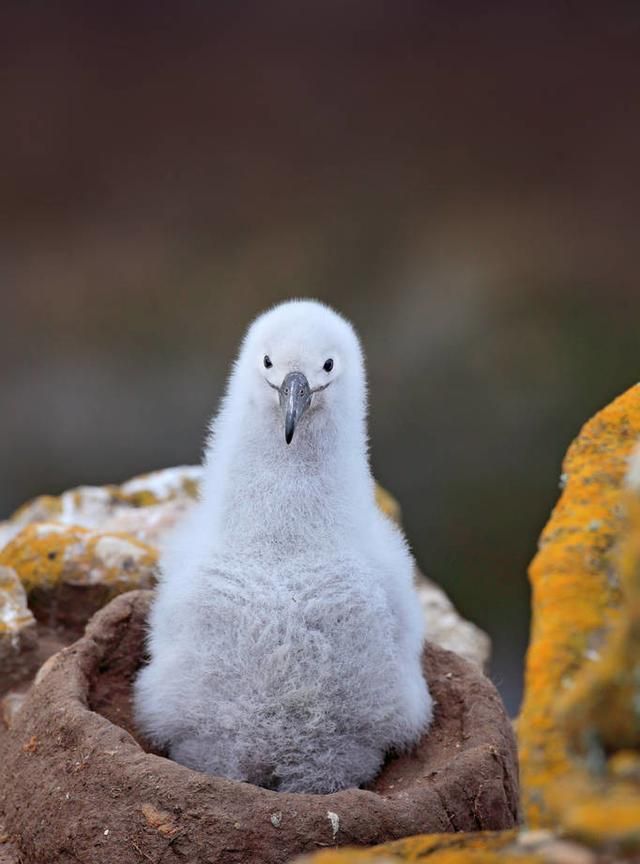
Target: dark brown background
x: 460, y: 179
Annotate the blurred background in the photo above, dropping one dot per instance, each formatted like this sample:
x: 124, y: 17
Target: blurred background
x: 459, y: 179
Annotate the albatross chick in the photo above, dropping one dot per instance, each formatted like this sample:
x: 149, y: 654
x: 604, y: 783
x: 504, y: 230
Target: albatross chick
x: 285, y: 636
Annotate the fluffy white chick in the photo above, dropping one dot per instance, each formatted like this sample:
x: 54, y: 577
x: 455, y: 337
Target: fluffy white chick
x: 285, y: 636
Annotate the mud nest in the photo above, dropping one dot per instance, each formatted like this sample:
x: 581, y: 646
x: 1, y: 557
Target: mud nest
x: 78, y: 784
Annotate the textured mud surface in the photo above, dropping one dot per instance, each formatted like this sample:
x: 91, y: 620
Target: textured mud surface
x: 8, y: 851
x: 75, y: 784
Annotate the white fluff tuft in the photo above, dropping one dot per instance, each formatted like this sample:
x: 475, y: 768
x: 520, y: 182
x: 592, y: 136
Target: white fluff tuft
x: 286, y: 635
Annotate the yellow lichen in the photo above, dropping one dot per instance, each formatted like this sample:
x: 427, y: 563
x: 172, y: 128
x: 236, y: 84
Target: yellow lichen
x: 602, y: 712
x: 577, y: 708
x: 603, y: 812
x: 388, y: 504
x: 143, y: 498
x: 46, y: 554
x: 190, y: 488
x: 476, y: 848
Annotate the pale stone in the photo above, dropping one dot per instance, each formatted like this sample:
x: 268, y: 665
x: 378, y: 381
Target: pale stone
x: 146, y: 506
x: 447, y: 628
x: 17, y: 630
x: 16, y: 621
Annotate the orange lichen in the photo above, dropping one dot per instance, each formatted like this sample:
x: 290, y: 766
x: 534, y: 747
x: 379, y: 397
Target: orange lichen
x: 580, y: 612
x: 388, y: 504
x: 602, y: 712
x: 47, y: 553
x: 603, y: 812
x: 480, y: 848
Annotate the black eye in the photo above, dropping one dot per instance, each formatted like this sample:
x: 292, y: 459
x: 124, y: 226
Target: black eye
x: 267, y: 362
x: 328, y: 365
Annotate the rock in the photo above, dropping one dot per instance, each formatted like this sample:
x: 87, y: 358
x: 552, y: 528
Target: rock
x: 601, y: 713
x: 148, y: 506
x: 52, y: 578
x: 145, y: 506
x: 71, y: 753
x: 475, y: 848
x: 579, y: 730
x: 69, y: 572
x: 17, y: 628
x: 447, y: 628
x: 504, y: 847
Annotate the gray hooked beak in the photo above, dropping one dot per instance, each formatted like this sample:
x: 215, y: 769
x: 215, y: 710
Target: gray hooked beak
x: 295, y: 398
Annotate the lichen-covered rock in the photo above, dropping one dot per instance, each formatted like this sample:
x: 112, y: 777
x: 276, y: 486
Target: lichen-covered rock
x: 601, y: 717
x: 17, y: 627
x: 148, y: 506
x: 430, y: 846
x: 504, y: 847
x: 69, y: 572
x: 579, y: 730
x: 601, y: 713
